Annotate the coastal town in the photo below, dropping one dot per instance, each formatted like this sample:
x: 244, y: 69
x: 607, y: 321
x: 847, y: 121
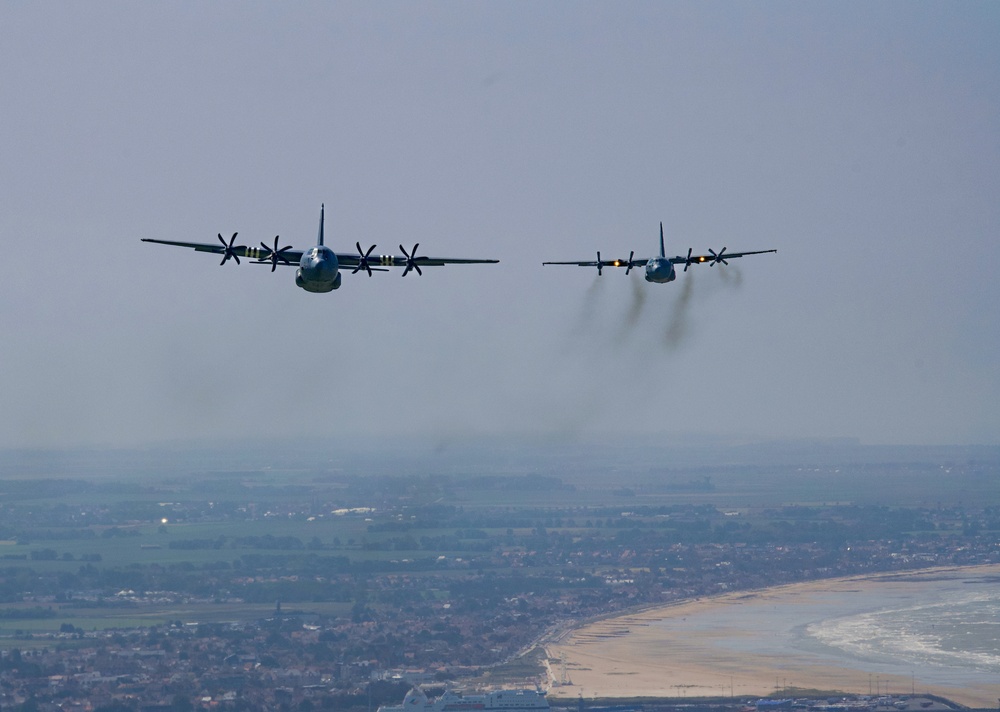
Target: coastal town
x: 144, y: 604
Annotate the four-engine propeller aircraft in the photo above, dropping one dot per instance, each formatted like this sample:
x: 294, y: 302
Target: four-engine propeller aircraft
x: 660, y: 269
x: 319, y: 266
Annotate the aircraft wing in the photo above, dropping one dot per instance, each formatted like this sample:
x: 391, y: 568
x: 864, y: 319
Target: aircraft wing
x: 234, y: 251
x: 720, y: 256
x: 319, y: 265
x: 440, y: 261
x: 408, y: 260
x: 352, y: 259
x: 345, y: 259
x: 602, y: 263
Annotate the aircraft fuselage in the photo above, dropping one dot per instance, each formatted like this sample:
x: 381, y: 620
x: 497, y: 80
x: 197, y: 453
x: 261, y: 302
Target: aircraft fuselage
x: 318, y: 270
x: 660, y: 270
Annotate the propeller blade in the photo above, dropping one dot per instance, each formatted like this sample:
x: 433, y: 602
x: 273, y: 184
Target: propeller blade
x: 411, y: 260
x: 687, y: 262
x: 600, y: 264
x: 274, y: 255
x: 228, y: 251
x: 360, y: 261
x: 628, y: 268
x: 363, y: 263
x: 403, y: 250
x: 717, y: 257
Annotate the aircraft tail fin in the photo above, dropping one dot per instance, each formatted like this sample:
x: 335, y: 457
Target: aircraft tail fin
x: 320, y: 238
x: 662, y: 253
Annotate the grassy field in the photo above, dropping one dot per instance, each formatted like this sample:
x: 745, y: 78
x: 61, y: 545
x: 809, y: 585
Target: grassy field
x: 56, y: 526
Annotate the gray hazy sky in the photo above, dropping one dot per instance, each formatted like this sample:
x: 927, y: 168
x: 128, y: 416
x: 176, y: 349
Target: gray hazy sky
x: 862, y: 140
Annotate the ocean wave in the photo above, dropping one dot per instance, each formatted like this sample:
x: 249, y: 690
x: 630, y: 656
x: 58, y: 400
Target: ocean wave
x: 961, y: 632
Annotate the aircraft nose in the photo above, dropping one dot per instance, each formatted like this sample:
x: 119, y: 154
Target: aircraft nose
x: 324, y: 267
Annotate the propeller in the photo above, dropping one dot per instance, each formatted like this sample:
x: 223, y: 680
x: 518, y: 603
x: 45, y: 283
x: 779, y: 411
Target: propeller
x: 411, y: 260
x: 600, y: 264
x: 363, y: 263
x: 274, y: 255
x: 717, y: 257
x: 688, y: 261
x: 228, y: 250
x: 630, y: 265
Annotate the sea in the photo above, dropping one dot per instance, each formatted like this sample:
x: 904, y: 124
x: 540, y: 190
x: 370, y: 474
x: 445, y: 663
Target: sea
x: 944, y: 631
x: 910, y: 631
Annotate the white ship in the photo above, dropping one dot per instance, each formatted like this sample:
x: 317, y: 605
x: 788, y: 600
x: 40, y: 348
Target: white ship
x: 506, y: 700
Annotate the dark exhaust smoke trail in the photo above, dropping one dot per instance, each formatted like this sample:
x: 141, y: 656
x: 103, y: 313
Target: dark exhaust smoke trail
x: 638, y: 301
x: 731, y: 276
x: 677, y: 326
x: 588, y: 308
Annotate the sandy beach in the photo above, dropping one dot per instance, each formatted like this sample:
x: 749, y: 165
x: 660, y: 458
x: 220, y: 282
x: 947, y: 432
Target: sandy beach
x: 743, y: 644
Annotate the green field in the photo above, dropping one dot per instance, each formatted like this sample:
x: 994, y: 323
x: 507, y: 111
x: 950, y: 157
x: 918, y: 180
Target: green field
x: 222, y: 535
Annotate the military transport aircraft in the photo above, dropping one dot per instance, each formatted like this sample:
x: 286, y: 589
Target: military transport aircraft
x: 661, y: 269
x: 319, y: 266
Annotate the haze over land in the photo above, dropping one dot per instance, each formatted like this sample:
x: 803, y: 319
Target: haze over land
x: 268, y: 577
x: 860, y: 140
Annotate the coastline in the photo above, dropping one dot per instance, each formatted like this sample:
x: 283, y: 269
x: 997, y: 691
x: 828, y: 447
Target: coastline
x: 737, y: 644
